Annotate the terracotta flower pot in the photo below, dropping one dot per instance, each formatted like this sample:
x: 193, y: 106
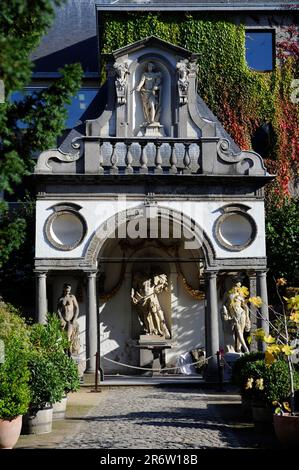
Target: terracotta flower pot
x: 287, y: 429
x: 10, y: 432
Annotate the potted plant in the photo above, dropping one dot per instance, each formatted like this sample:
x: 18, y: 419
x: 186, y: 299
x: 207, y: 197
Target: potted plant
x: 53, y: 375
x: 281, y: 346
x: 46, y: 383
x: 46, y: 388
x: 14, y: 374
x: 66, y: 366
x: 69, y: 375
x: 267, y: 384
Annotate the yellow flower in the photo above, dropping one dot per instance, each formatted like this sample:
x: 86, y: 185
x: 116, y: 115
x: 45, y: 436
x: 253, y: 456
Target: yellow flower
x: 269, y: 358
x: 287, y: 350
x: 256, y: 301
x: 280, y: 407
x: 259, y: 384
x: 295, y: 317
x: 273, y: 349
x: 259, y: 333
x: 249, y: 383
x: 269, y: 339
x: 243, y: 291
x: 281, y: 281
x: 286, y: 406
x: 293, y: 302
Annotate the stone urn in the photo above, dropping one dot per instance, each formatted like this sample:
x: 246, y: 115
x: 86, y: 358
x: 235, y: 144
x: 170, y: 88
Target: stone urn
x: 10, y: 432
x: 286, y: 429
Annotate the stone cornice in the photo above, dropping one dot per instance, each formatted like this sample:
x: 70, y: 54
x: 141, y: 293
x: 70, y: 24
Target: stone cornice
x: 202, y: 6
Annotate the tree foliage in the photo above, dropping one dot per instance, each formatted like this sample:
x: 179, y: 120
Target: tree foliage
x: 43, y: 114
x: 282, y: 232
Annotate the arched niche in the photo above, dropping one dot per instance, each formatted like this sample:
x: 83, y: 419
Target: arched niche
x: 135, y: 111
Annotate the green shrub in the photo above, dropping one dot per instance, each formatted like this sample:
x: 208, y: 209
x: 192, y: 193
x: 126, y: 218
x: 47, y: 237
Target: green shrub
x: 14, y: 372
x: 49, y: 337
x: 238, y: 369
x: 53, y: 373
x: 275, y: 384
x: 46, y: 384
x: 68, y: 371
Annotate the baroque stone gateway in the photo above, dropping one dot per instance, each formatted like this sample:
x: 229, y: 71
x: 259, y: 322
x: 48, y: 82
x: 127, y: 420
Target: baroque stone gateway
x: 152, y: 214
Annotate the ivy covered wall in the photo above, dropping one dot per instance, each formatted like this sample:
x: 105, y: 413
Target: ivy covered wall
x: 243, y: 100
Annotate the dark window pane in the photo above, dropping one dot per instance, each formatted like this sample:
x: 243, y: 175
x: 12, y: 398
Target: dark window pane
x: 259, y: 50
x: 79, y: 105
x: 76, y: 109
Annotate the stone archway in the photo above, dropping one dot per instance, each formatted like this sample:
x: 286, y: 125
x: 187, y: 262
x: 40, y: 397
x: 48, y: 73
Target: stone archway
x: 108, y: 229
x: 118, y: 321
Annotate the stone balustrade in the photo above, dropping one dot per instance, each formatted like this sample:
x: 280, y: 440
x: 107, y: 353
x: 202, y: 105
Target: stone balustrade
x: 139, y: 155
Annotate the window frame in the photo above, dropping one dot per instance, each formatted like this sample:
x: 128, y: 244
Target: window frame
x: 273, y: 44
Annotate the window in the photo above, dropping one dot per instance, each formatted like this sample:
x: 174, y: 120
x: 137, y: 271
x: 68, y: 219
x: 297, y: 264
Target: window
x: 65, y: 227
x: 260, y: 50
x: 235, y: 230
x: 76, y: 110
x: 79, y: 105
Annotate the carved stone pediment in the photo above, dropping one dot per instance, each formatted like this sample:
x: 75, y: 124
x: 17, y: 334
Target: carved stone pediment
x: 154, y: 122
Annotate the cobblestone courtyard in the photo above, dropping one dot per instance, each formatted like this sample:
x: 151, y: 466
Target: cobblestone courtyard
x: 165, y: 418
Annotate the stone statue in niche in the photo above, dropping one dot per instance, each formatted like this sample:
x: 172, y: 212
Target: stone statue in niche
x: 121, y: 72
x: 68, y: 311
x: 144, y: 295
x: 236, y: 321
x: 150, y: 88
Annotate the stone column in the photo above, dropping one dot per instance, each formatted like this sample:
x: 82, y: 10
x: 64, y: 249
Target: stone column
x: 91, y: 322
x: 212, y: 327
x: 41, y: 296
x: 263, y: 293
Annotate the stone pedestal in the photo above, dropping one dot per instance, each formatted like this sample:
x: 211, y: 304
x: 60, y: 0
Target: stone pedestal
x: 152, y: 353
x: 155, y: 129
x: 229, y: 359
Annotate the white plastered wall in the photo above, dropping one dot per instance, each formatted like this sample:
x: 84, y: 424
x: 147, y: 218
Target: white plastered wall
x: 204, y: 213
